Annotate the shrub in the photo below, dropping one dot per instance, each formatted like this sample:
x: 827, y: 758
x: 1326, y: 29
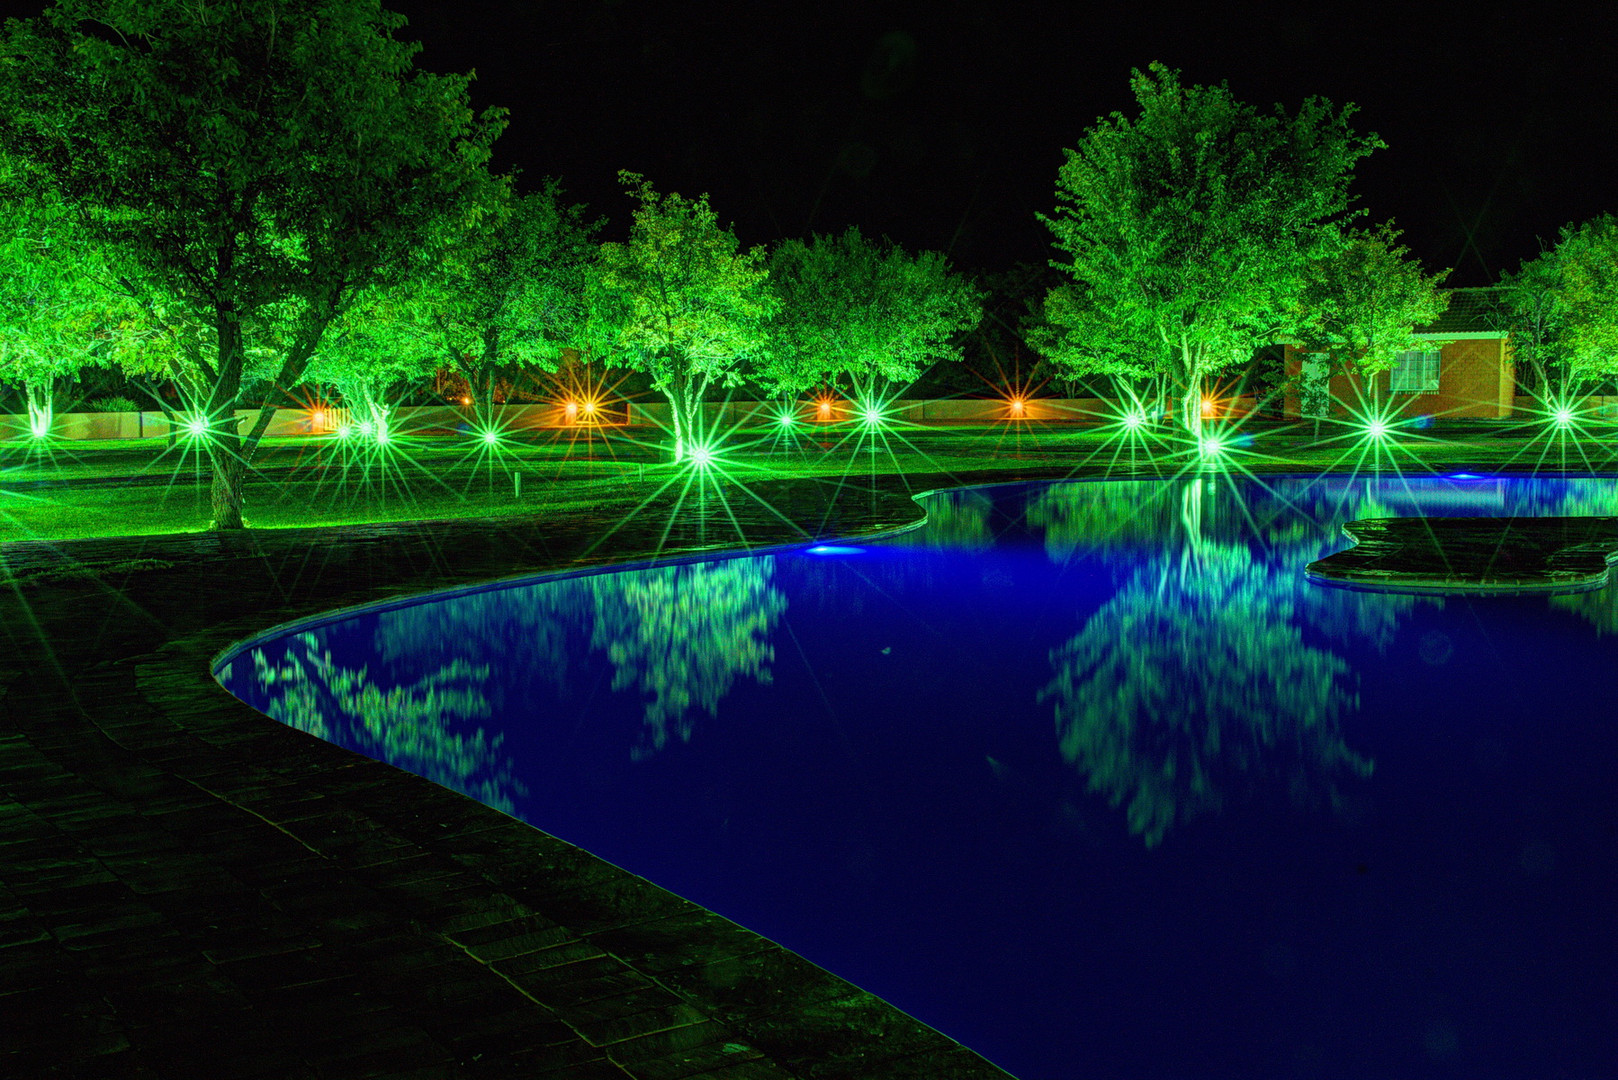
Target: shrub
x: 111, y: 404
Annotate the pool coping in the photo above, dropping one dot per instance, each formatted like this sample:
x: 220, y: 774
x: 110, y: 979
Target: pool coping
x: 143, y: 810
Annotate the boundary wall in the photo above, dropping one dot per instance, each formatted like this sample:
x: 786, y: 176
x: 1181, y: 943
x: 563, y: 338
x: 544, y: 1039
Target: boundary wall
x: 446, y: 419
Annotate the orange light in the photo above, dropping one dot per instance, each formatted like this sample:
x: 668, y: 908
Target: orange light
x: 823, y: 410
x: 317, y: 419
x: 571, y: 411
x: 1208, y: 406
x: 1017, y: 405
x: 465, y: 399
x: 589, y: 408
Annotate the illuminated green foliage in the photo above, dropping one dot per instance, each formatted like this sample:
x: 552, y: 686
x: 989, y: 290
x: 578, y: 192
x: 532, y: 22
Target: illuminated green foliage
x: 60, y: 308
x: 1187, y: 229
x: 857, y: 312
x: 1360, y: 304
x: 256, y: 167
x: 1564, y: 308
x: 681, y: 302
x: 512, y: 292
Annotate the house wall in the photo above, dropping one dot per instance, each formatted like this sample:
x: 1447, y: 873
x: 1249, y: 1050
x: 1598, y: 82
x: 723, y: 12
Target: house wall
x: 1475, y: 379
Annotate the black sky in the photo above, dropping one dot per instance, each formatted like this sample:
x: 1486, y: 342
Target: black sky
x: 941, y: 123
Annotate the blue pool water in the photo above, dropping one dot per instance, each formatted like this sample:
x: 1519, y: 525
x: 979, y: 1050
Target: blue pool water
x: 1087, y: 776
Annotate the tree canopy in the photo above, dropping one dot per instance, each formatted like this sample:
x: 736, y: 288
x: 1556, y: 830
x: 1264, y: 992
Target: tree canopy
x: 1359, y: 307
x: 257, y: 166
x: 514, y: 293
x: 681, y: 302
x: 59, y: 308
x: 1563, y: 306
x: 1187, y: 229
x: 863, y: 311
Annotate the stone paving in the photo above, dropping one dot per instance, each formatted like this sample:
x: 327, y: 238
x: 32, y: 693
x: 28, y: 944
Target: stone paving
x: 188, y: 889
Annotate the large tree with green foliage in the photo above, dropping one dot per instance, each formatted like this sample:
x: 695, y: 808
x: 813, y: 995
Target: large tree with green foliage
x: 257, y: 164
x: 1186, y: 230
x: 1563, y: 306
x: 60, y: 307
x: 1360, y: 304
x: 863, y: 311
x: 681, y: 302
x: 514, y: 294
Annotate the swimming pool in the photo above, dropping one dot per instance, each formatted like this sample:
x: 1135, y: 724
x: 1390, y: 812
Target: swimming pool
x: 1087, y: 776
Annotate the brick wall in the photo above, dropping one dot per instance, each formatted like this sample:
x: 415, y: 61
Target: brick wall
x: 1476, y: 379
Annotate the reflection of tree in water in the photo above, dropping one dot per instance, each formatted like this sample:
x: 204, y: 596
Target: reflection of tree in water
x: 679, y: 635
x: 1195, y: 684
x: 958, y: 520
x: 682, y: 635
x: 407, y: 725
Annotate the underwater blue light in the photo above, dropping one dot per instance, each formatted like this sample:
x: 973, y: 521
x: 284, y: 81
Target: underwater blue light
x: 1464, y: 476
x: 833, y: 549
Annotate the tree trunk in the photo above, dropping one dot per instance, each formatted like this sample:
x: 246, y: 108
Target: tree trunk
x: 224, y: 442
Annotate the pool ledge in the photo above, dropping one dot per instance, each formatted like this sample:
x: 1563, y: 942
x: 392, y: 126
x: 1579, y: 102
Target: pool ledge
x: 189, y: 888
x: 1473, y: 555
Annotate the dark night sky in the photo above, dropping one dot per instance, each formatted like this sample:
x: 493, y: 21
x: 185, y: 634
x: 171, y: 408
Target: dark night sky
x: 940, y: 123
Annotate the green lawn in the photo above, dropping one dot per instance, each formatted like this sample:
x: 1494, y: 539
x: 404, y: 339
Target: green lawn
x: 70, y: 489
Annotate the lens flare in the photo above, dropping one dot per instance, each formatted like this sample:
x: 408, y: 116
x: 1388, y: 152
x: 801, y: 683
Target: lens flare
x: 1563, y: 416
x: 1134, y: 419
x: 700, y: 457
x: 196, y: 426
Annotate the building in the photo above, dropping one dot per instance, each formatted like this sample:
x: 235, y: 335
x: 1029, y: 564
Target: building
x: 1461, y: 367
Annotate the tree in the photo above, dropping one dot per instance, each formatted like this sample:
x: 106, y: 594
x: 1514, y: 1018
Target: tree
x: 1187, y: 229
x: 681, y: 302
x: 869, y: 312
x: 1533, y: 320
x: 374, y: 347
x: 1564, y: 305
x: 60, y: 309
x: 1360, y: 305
x: 515, y: 293
x: 257, y: 165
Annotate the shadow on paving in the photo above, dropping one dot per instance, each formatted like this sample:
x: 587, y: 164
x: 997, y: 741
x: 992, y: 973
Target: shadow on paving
x: 190, y: 889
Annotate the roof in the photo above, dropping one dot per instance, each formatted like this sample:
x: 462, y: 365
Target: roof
x: 1471, y: 311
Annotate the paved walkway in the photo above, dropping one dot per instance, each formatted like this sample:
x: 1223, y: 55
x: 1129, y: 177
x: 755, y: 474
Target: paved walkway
x: 188, y: 889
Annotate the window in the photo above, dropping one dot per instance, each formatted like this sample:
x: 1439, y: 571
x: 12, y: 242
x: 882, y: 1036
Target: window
x: 1415, y: 372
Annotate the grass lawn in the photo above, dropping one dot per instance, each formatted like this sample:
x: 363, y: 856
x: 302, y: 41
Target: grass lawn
x: 79, y: 489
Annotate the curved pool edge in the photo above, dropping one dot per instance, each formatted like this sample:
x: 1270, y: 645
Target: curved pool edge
x: 319, y: 886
